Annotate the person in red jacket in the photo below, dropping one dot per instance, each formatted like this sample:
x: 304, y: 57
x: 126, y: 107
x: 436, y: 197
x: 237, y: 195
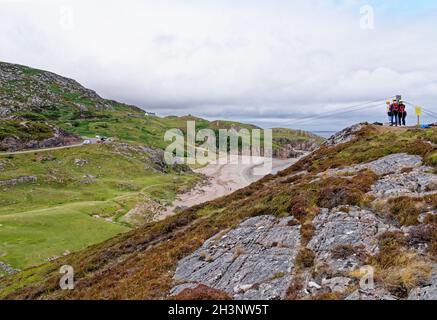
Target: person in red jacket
x: 402, y: 114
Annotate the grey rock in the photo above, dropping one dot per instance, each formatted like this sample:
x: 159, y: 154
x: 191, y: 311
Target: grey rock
x: 19, y: 180
x: 253, y: 261
x: 8, y: 269
x: 337, y: 284
x: 358, y: 227
x: 377, y: 294
x: 418, y: 182
x: 393, y: 163
x: 345, y: 135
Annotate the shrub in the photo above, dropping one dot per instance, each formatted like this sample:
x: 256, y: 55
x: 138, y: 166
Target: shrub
x: 406, y: 210
x: 294, y: 289
x: 32, y: 116
x: 202, y: 292
x: 396, y: 268
x: 333, y: 196
x: 328, y: 296
x: 298, y: 207
x: 307, y: 232
x: 343, y: 251
x: 305, y: 258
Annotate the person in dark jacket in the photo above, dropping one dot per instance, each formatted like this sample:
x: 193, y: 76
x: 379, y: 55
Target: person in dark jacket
x: 394, y: 108
x: 402, y: 113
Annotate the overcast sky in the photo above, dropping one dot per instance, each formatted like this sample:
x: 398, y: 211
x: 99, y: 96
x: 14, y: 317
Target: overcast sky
x: 267, y: 62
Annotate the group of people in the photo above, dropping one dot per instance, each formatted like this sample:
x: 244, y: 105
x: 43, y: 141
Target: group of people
x: 397, y: 113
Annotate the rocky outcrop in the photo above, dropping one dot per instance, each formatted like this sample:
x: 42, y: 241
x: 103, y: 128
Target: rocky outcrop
x: 154, y: 157
x: 290, y: 148
x: 143, y: 212
x: 19, y: 180
x: 356, y: 228
x: 345, y: 135
x: 378, y: 294
x: 400, y: 174
x: 253, y: 261
x: 258, y: 259
x: 60, y: 138
x: 415, y: 183
x: 26, y: 89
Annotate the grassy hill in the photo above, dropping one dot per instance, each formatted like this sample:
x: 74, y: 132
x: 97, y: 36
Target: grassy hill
x: 80, y: 197
x: 140, y: 264
x: 61, y: 201
x: 34, y: 102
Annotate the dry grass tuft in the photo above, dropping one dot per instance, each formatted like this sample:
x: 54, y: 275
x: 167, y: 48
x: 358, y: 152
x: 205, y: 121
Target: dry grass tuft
x: 307, y: 232
x: 305, y: 258
x: 397, y: 269
x: 406, y: 210
x: 202, y: 292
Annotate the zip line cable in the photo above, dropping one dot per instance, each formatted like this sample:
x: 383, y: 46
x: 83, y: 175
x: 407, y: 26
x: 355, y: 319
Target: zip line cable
x: 425, y: 110
x: 338, y: 114
x: 343, y: 110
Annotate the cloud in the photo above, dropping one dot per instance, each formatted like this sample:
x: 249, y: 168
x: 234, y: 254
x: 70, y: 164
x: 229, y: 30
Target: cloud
x: 267, y: 61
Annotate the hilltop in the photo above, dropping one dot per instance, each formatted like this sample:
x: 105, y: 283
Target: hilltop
x: 41, y: 109
x: 366, y: 197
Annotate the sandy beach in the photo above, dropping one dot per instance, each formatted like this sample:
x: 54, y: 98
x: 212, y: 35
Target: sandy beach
x: 223, y: 179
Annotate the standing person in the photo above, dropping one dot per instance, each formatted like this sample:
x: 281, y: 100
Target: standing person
x: 389, y: 113
x: 395, y: 112
x: 402, y: 113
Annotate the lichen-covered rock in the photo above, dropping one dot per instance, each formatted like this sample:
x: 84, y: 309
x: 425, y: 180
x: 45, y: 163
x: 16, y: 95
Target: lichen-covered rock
x: 400, y: 174
x: 19, y: 180
x: 27, y: 89
x: 253, y: 261
x: 345, y: 135
x: 417, y: 182
x: 358, y: 228
x: 8, y: 269
x: 394, y: 163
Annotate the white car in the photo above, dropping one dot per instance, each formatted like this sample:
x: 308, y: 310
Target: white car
x: 86, y: 142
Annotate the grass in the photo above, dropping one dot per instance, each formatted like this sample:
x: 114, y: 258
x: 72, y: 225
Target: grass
x: 29, y: 238
x: 43, y: 219
x: 140, y: 264
x: 29, y: 130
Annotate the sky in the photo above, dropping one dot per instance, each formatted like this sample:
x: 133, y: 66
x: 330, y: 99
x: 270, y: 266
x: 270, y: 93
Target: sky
x: 275, y: 63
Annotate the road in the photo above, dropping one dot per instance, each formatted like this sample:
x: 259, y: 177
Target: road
x: 92, y: 140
